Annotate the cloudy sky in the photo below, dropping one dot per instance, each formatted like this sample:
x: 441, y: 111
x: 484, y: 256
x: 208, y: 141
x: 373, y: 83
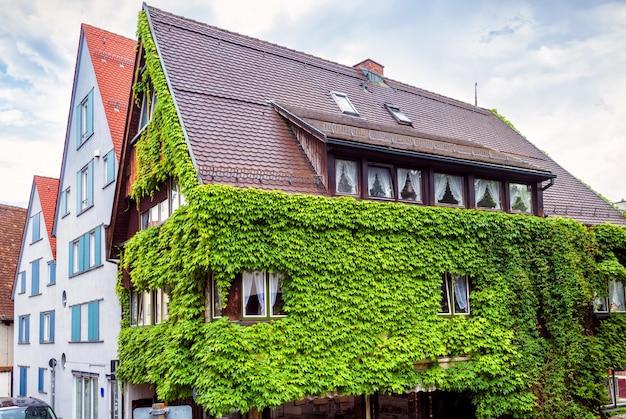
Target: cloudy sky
x: 556, y: 70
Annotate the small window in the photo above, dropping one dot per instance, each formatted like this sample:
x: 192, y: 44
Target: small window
x: 409, y: 185
x: 344, y: 103
x: 52, y: 272
x: 85, y: 252
x: 487, y: 194
x: 398, y: 115
x: 109, y: 167
x: 84, y: 182
x: 65, y: 202
x: 346, y: 177
x: 84, y: 119
x: 35, y: 225
x: 214, y: 300
x: 379, y: 184
x: 148, y: 103
x: 262, y: 294
x: 454, y: 294
x: 148, y: 307
x: 46, y: 327
x: 23, y: 329
x: 449, y: 189
x: 161, y: 305
x: 520, y: 198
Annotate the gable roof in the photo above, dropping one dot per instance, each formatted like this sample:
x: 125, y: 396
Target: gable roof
x: 12, y: 222
x: 237, y: 98
x: 48, y: 188
x: 112, y: 57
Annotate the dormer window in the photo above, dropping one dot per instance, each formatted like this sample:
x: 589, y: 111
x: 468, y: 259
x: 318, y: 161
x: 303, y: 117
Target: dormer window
x: 344, y: 103
x: 379, y: 183
x: 148, y: 103
x: 346, y: 177
x: 398, y: 115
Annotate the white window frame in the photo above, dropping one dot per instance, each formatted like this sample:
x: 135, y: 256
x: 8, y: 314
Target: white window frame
x: 450, y: 293
x: 268, y: 309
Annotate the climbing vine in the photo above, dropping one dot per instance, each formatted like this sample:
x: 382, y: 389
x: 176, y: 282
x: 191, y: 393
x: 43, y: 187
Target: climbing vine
x: 361, y: 296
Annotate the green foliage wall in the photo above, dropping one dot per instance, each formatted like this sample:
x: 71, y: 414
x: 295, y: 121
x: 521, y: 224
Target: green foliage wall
x: 362, y: 296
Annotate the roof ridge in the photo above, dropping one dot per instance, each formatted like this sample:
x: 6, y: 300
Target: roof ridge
x: 288, y: 53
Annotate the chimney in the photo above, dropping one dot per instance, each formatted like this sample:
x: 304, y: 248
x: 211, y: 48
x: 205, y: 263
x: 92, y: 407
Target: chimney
x: 370, y: 65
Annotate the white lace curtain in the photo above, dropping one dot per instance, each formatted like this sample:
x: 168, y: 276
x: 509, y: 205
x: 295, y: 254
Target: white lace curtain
x: 616, y: 296
x: 521, y: 192
x: 379, y: 182
x: 459, y: 285
x: 455, y: 183
x: 275, y: 281
x: 483, y: 186
x: 410, y: 185
x: 346, y: 177
x: 254, y: 284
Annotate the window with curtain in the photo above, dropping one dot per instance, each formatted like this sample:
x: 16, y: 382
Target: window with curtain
x: 379, y: 184
x: 487, y: 194
x: 449, y: 189
x: 213, y: 300
x: 262, y: 294
x: 346, y: 177
x: 616, y: 297
x: 520, y: 198
x: 454, y: 294
x: 409, y: 185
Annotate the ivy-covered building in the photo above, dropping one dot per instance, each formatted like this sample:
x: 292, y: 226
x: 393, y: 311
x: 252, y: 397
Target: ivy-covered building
x: 300, y: 238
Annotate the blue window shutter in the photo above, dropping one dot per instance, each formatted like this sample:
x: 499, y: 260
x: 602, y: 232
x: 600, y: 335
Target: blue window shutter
x: 63, y: 203
x: 79, y: 123
x: 34, y: 277
x: 79, y: 188
x: 90, y: 183
x: 27, y: 331
x: 41, y: 327
x: 110, y: 166
x: 22, y: 281
x: 20, y: 331
x: 52, y: 326
x: 36, y: 227
x: 71, y: 259
x: 89, y: 114
x: 93, y: 321
x: 40, y: 380
x: 76, y: 323
x: 83, y: 251
x: 22, y: 381
x: 53, y: 271
x: 97, y: 258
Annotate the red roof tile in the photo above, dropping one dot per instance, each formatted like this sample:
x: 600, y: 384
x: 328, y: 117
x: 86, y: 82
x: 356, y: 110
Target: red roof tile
x: 113, y: 57
x: 222, y: 83
x: 48, y: 189
x: 12, y: 221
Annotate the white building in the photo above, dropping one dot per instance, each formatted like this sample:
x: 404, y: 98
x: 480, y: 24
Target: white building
x: 35, y: 294
x: 81, y: 346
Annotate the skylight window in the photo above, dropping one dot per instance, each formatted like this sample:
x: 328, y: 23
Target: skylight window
x: 344, y: 103
x: 398, y: 115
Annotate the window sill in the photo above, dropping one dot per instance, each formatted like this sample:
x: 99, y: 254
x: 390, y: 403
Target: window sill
x: 85, y: 271
x: 84, y: 210
x: 84, y: 341
x: 34, y: 295
x: 50, y: 284
x: 37, y: 241
x: 111, y: 182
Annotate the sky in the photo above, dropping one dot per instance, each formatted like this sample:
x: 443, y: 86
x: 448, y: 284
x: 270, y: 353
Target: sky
x: 556, y: 70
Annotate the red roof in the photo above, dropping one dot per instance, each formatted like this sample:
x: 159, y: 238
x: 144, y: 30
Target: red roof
x: 12, y: 221
x: 48, y: 189
x: 112, y: 57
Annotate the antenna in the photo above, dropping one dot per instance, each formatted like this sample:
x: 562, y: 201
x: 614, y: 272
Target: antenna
x: 476, y: 94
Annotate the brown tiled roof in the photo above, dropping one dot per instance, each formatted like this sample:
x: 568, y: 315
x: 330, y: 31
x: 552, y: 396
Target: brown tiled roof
x: 48, y: 189
x: 12, y: 221
x: 224, y: 84
x: 113, y: 57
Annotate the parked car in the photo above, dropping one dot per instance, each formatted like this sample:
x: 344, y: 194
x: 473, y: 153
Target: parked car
x: 25, y: 408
